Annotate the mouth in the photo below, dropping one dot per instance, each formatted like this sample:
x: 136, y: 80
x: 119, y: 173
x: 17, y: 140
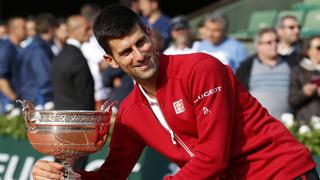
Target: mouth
x: 144, y: 64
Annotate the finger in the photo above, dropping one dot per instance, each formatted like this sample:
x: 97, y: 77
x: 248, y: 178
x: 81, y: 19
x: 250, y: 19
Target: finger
x: 56, y: 165
x: 46, y: 174
x: 41, y: 178
x: 48, y: 166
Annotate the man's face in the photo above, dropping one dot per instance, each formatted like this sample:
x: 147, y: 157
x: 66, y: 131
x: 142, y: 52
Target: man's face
x: 62, y: 32
x: 31, y: 28
x: 19, y: 29
x: 181, y: 36
x: 267, y: 46
x: 145, y: 7
x: 134, y: 54
x: 289, y: 31
x: 314, y: 50
x: 83, y: 32
x: 215, y: 31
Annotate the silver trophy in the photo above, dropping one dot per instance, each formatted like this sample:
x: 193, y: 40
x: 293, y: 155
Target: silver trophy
x: 67, y: 135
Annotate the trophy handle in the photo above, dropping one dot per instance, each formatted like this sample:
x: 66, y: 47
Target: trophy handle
x: 27, y: 112
x: 103, y: 127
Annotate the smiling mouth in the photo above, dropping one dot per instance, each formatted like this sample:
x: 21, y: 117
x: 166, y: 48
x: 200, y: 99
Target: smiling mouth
x: 145, y: 64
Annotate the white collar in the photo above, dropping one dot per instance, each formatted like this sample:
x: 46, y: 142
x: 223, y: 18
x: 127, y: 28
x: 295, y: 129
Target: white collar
x: 74, y: 42
x: 150, y: 99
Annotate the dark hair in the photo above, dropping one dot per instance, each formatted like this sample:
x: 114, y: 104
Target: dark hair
x: 114, y: 22
x: 45, y: 22
x: 261, y: 32
x: 307, y: 45
x: 220, y: 18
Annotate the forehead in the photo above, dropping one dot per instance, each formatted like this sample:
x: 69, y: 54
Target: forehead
x: 119, y: 44
x: 315, y: 42
x: 289, y: 21
x: 268, y: 35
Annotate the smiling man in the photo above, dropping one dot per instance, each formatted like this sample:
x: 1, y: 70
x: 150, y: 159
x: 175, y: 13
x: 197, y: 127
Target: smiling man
x: 225, y: 134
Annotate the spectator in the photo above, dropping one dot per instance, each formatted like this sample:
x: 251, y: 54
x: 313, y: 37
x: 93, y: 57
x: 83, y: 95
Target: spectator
x: 72, y: 81
x: 181, y: 36
x: 10, y: 60
x: 305, y: 82
x: 132, y: 4
x: 30, y: 30
x: 73, y: 85
x: 119, y: 83
x: 201, y: 31
x: 266, y: 75
x: 155, y: 19
x: 36, y: 64
x: 288, y: 30
x: 60, y: 37
x: 3, y: 30
x: 94, y: 55
x: 227, y: 49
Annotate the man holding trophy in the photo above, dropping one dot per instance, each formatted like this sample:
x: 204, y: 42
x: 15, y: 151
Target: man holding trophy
x: 191, y: 109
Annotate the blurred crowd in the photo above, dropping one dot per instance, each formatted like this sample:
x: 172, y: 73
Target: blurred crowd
x: 57, y: 63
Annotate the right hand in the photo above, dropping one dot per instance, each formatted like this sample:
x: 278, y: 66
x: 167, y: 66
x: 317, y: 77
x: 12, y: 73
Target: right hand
x: 309, y: 89
x: 47, y: 170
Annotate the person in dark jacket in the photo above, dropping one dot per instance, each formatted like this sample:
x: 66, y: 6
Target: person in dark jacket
x: 267, y: 75
x: 305, y: 83
x: 36, y: 64
x: 73, y: 85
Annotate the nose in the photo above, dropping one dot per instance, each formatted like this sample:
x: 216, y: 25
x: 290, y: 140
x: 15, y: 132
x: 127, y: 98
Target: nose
x: 138, y: 54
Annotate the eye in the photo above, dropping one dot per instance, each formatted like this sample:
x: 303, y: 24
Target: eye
x: 141, y: 42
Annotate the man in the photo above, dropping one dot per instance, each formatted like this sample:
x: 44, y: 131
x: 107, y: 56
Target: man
x: 36, y: 64
x: 181, y: 36
x: 155, y: 19
x: 73, y: 86
x: 10, y: 61
x: 3, y: 30
x: 267, y: 75
x: 288, y: 30
x: 227, y: 49
x: 191, y: 109
x: 94, y: 55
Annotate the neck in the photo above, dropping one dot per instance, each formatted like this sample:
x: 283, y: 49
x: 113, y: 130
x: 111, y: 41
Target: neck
x: 284, y: 45
x: 150, y: 86
x: 45, y: 37
x: 154, y: 17
x: 14, y: 40
x: 269, y: 61
x: 58, y: 43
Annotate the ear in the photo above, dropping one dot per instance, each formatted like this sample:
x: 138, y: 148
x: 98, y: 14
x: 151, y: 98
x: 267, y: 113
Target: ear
x: 148, y: 31
x: 109, y: 59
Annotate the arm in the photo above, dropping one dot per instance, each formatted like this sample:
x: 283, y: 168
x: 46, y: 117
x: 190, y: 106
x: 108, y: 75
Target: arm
x: 214, y: 126
x: 123, y: 154
x: 5, y: 67
x: 6, y: 89
x: 125, y: 149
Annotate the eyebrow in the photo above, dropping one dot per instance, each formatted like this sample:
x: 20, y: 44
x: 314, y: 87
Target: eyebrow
x: 129, y: 48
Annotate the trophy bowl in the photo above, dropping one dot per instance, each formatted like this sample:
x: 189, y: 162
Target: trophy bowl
x: 67, y: 134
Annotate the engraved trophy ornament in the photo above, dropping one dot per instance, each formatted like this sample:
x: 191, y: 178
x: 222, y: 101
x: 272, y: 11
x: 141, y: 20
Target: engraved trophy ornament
x: 68, y: 134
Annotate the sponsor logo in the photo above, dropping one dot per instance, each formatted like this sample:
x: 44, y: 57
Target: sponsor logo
x: 206, y: 110
x: 178, y: 106
x: 208, y: 93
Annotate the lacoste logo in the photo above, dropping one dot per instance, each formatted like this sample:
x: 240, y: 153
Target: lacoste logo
x: 178, y: 106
